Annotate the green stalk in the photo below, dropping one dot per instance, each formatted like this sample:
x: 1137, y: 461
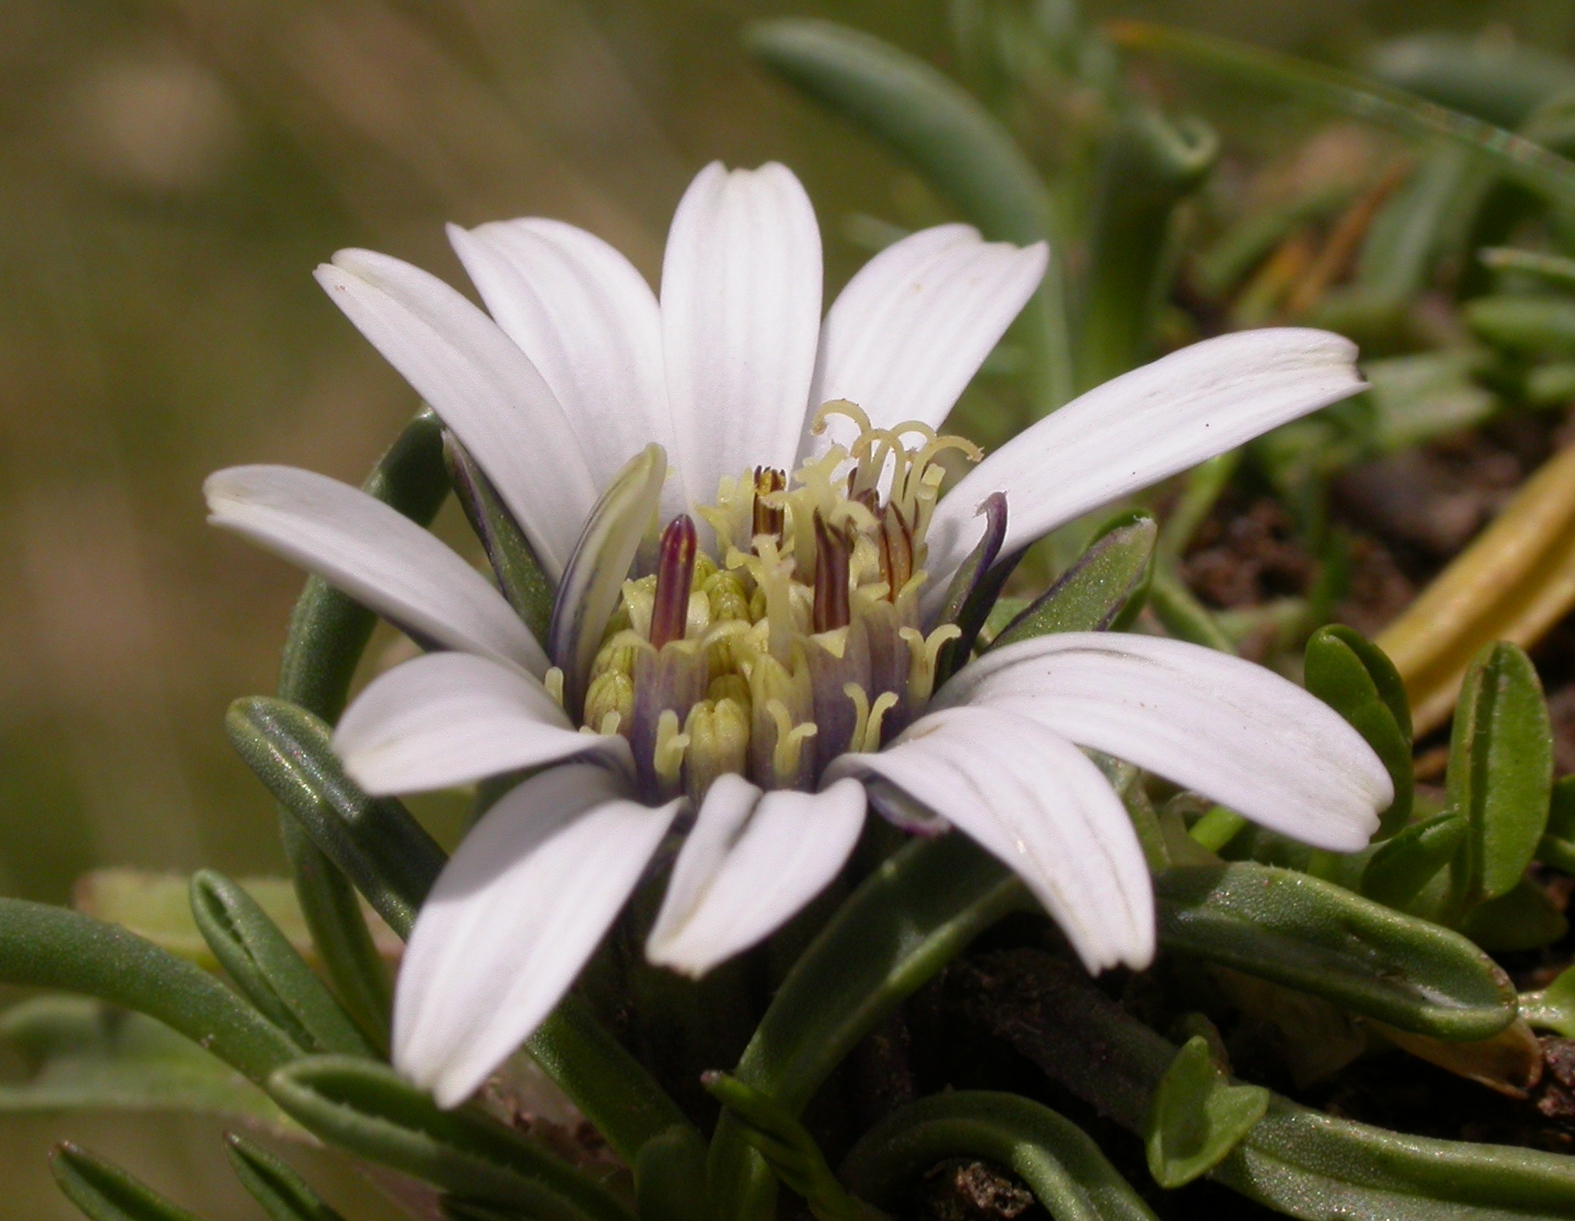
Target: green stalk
x: 328, y: 633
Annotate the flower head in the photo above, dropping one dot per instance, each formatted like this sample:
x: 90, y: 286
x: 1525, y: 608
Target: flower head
x: 766, y: 663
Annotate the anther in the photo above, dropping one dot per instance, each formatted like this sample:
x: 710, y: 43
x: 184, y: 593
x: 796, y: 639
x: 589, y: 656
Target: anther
x: 769, y: 516
x: 832, y: 548
x: 896, y: 550
x: 675, y: 569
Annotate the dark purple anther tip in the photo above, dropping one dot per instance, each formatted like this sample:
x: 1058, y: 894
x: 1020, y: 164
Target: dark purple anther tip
x: 675, y: 573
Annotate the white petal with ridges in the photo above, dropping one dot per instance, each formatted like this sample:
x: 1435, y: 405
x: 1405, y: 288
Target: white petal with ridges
x: 1236, y: 732
x: 740, y: 300
x: 513, y: 919
x: 482, y: 386
x: 910, y: 330
x: 1035, y: 801
x: 749, y: 865
x: 451, y: 718
x: 589, y: 323
x: 375, y: 554
x: 1140, y: 428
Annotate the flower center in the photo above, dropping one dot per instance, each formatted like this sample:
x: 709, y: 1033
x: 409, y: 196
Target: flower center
x: 797, y: 637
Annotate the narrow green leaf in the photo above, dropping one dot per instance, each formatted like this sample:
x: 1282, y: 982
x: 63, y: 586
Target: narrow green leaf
x: 1105, y: 586
x: 519, y: 573
x: 1522, y: 919
x: 267, y: 968
x: 1148, y: 165
x: 1420, y: 397
x: 1500, y: 772
x: 1184, y: 617
x: 328, y: 633
x: 1250, y: 240
x: 670, y: 1177
x: 105, y: 1192
x: 374, y: 840
x: 80, y: 1054
x: 1400, y: 868
x: 1204, y: 485
x: 364, y: 1108
x: 960, y: 147
x: 1217, y: 827
x: 49, y: 947
x: 1557, y: 846
x: 328, y: 629
x: 1551, y: 267
x: 789, y: 1150
x: 917, y: 911
x: 1298, y: 1161
x: 1312, y: 935
x: 283, y: 1194
x: 1544, y: 325
x: 1517, y: 158
x: 394, y: 863
x: 1554, y: 1007
x: 1061, y: 1164
x: 613, y: 1089
x: 1497, y: 80
x: 1197, y: 1116
x: 1353, y: 677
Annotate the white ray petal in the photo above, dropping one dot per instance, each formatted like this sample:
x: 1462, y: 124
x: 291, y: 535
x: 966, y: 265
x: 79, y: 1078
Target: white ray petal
x: 740, y: 315
x: 375, y: 554
x: 589, y: 323
x: 480, y: 383
x: 910, y: 330
x: 1234, y: 731
x: 1034, y: 800
x: 512, y: 919
x: 451, y: 718
x: 749, y: 865
x: 1140, y: 428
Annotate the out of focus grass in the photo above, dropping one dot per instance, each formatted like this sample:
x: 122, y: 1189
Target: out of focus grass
x: 169, y: 174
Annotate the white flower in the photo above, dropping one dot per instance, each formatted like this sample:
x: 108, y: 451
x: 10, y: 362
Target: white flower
x: 774, y: 672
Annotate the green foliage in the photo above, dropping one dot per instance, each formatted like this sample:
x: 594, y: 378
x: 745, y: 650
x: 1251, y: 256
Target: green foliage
x: 49, y: 947
x: 374, y: 841
x: 1312, y: 935
x: 267, y: 968
x: 1356, y: 679
x: 283, y: 1194
x: 961, y: 148
x: 1500, y: 773
x: 328, y: 633
x: 1103, y: 588
x: 509, y: 553
x: 1061, y: 1165
x: 789, y: 1150
x: 364, y: 1108
x: 1197, y: 1116
x: 81, y: 1054
x: 105, y: 1192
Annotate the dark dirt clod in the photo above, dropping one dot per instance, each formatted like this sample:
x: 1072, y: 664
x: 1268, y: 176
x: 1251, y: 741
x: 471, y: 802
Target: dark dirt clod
x: 1246, y: 559
x: 963, y: 1190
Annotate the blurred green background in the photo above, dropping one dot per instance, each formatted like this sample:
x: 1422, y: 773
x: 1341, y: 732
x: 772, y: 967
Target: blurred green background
x: 170, y: 172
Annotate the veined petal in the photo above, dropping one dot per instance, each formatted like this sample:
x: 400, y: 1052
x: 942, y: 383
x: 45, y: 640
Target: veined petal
x: 373, y: 553
x: 1143, y: 427
x: 513, y: 918
x: 451, y: 718
x: 480, y: 383
x: 740, y: 315
x: 910, y: 330
x: 589, y: 323
x: 1034, y: 800
x: 750, y: 863
x: 1234, y: 731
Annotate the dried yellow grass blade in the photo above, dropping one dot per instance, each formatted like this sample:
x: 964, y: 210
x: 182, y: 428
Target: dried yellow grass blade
x: 1512, y: 583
